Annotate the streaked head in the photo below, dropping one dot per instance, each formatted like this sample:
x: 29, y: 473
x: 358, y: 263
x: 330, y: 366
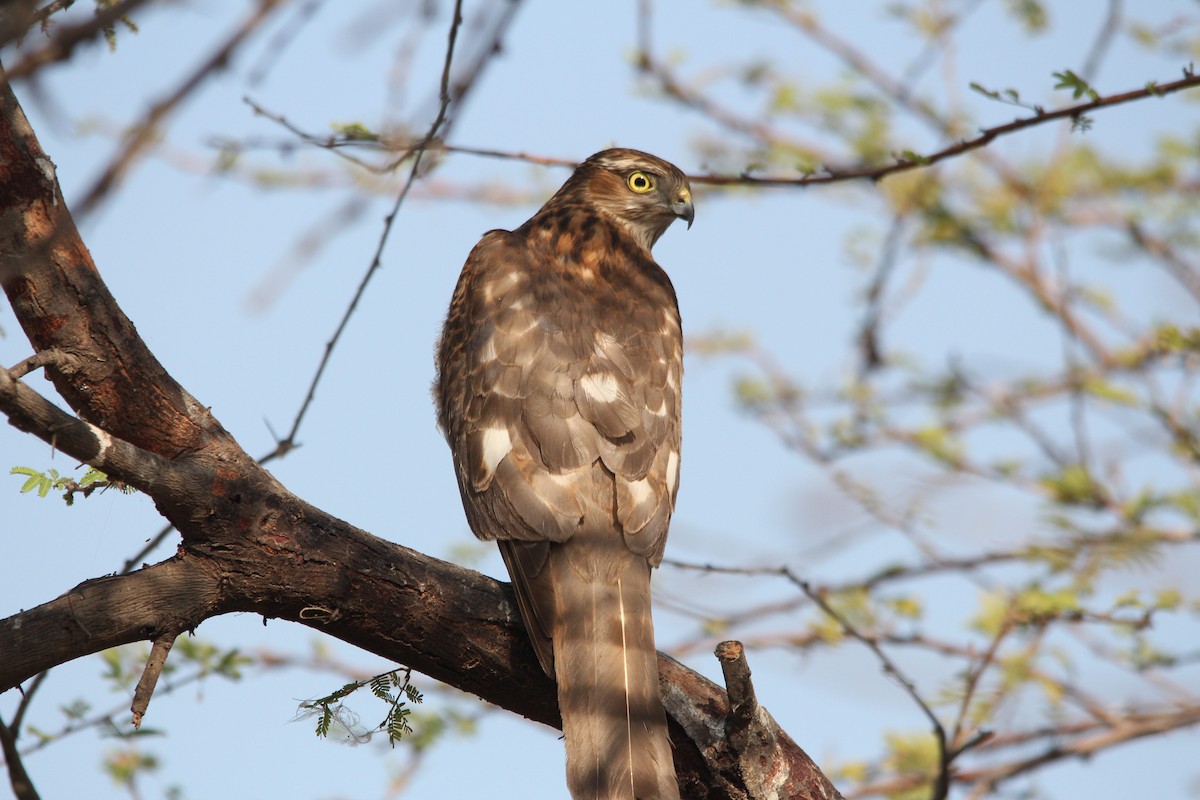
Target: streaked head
x: 642, y: 192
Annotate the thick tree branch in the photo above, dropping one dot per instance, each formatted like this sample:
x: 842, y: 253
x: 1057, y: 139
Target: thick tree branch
x: 64, y: 306
x: 30, y: 412
x: 98, y: 614
x: 450, y: 623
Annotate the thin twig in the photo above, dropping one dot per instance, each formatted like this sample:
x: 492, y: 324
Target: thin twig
x: 289, y: 440
x: 154, y: 667
x: 68, y: 37
x: 1102, y: 43
x: 17, y: 22
x: 18, y: 777
x: 147, y: 129
x: 986, y: 137
x: 941, y: 787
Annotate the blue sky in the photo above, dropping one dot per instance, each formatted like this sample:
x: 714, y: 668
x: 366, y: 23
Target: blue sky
x: 183, y: 251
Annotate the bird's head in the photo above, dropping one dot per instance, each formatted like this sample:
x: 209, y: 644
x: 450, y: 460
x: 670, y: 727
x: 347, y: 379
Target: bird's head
x: 641, y: 192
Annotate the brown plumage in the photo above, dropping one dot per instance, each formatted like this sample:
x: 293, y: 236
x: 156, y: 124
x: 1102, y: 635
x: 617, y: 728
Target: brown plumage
x: 558, y: 389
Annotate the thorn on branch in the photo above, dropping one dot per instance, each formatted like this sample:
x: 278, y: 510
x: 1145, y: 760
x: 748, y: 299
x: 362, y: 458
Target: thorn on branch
x: 149, y: 679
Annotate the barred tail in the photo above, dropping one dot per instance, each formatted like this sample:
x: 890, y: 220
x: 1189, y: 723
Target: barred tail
x: 607, y: 673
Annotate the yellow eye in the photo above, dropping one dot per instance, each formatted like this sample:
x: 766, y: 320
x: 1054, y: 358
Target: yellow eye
x: 640, y: 182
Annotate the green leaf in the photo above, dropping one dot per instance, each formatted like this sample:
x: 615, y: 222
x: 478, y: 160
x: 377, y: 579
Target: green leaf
x: 1077, y: 85
x: 1111, y: 392
x: 1030, y: 13
x: 93, y: 475
x: 324, y: 721
x: 915, y: 158
x: 985, y: 92
x: 939, y: 443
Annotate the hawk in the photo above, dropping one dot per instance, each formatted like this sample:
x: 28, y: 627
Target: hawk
x: 559, y: 372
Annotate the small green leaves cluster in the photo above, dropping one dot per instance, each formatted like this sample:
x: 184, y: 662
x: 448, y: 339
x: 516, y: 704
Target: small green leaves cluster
x: 393, y: 688
x: 1030, y: 13
x: 869, y: 615
x: 126, y: 765
x: 1009, y: 95
x: 1076, y: 85
x: 51, y: 481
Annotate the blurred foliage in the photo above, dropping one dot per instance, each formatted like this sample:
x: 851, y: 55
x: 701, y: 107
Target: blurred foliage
x: 1094, y: 439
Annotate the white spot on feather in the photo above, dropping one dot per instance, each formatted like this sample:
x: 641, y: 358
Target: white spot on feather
x: 672, y: 471
x: 603, y: 342
x: 496, y: 445
x: 494, y: 287
x: 601, y: 387
x: 562, y: 479
x: 640, y: 491
x: 489, y: 350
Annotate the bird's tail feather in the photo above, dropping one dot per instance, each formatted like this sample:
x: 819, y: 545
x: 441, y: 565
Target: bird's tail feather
x: 607, y: 673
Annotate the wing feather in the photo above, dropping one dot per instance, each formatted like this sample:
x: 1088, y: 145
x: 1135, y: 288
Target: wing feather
x: 559, y: 380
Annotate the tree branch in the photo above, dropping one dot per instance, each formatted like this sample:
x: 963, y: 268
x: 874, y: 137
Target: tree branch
x: 145, y: 131
x: 986, y: 136
x: 64, y: 42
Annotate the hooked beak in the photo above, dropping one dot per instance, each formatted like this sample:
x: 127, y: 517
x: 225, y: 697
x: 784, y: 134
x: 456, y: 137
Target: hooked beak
x: 683, y: 206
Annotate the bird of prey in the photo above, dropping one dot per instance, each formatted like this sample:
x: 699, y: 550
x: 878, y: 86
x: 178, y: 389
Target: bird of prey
x: 558, y: 390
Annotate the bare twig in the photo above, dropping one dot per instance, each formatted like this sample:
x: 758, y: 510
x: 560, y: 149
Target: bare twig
x: 15, y: 22
x: 145, y: 131
x: 941, y: 786
x: 18, y: 777
x: 1104, y: 39
x: 45, y: 358
x: 871, y: 355
x: 135, y: 560
x: 68, y: 37
x: 377, y: 260
x: 287, y: 33
x: 154, y: 667
x: 986, y: 137
x: 1187, y: 274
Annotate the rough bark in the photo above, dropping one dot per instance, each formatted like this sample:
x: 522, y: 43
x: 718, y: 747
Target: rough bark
x: 248, y: 544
